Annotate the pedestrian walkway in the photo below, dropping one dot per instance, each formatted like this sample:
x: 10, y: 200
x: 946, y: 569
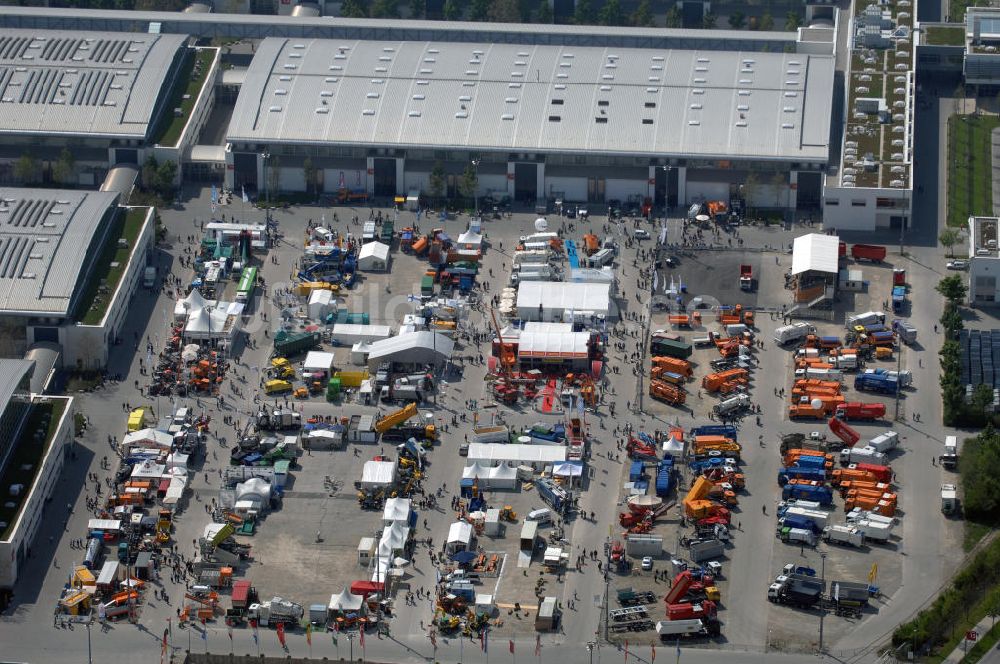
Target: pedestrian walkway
x: 995, y: 170
x: 958, y: 653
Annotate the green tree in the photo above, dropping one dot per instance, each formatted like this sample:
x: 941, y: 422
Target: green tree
x: 309, y: 171
x: 148, y: 175
x: 452, y: 11
x: 674, y: 17
x: 64, y: 170
x: 385, y: 9
x: 951, y: 320
x: 418, y: 8
x: 779, y: 185
x: 159, y: 5
x: 952, y: 288
x: 584, y: 13
x: 642, y: 17
x: 544, y: 13
x: 478, y: 10
x: 948, y: 239
x: 792, y: 21
x: 979, y: 466
x: 611, y: 13
x: 709, y: 20
x: 751, y: 188
x: 504, y: 11
x: 166, y: 173
x: 437, y: 180
x: 354, y: 9
x: 766, y: 22
x: 26, y: 169
x: 737, y: 20
x: 470, y: 182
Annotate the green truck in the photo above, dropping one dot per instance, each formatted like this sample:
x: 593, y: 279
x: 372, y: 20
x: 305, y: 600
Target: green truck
x: 662, y: 346
x: 387, y: 233
x: 287, y: 344
x: 427, y: 285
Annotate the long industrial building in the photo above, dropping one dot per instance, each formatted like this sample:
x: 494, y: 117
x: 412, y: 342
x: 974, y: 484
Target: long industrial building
x: 539, y: 122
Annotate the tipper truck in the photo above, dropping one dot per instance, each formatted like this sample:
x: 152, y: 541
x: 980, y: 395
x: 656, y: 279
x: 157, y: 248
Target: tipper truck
x: 844, y: 432
x: 746, y: 277
x: 816, y: 441
x: 856, y: 410
x: 869, y: 252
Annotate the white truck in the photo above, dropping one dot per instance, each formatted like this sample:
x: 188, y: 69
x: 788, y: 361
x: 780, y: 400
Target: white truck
x: 797, y: 536
x: 949, y: 498
x: 850, y: 455
x: 793, y: 332
x: 818, y: 517
x: 149, y: 277
x: 857, y: 515
x: 490, y: 435
x: 875, y: 531
x: 867, y: 318
x: 844, y: 362
x: 275, y: 610
x: 949, y: 457
x: 808, y: 505
x: 906, y: 330
x: 819, y: 374
x: 538, y: 257
x: 532, y: 273
x: 844, y: 535
x: 884, y: 442
x: 732, y: 404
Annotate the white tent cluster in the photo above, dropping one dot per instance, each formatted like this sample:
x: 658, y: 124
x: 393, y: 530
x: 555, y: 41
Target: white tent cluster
x: 208, y: 319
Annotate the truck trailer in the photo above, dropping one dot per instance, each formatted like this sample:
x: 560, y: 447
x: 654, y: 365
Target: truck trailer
x: 846, y: 535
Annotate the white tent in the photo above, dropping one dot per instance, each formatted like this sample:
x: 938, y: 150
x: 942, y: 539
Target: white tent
x: 255, y: 490
x: 318, y: 362
x: 536, y: 456
x: 214, y: 322
x: 148, y: 470
x: 396, y: 510
x: 470, y: 240
x: 320, y: 302
x: 459, y: 536
x: 378, y: 473
x: 147, y: 438
x: 374, y: 257
x: 503, y: 477
x: 568, y: 469
x: 177, y: 460
x: 393, y: 540
x: 673, y: 446
x: 560, y: 300
x: 345, y: 601
x: 471, y: 472
x: 193, y: 302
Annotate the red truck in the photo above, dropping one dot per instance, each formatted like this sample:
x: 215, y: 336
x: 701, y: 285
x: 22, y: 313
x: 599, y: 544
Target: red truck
x: 868, y: 252
x: 883, y: 473
x: 842, y: 250
x: 856, y: 410
x: 844, y: 432
x: 705, y: 609
x: 746, y: 277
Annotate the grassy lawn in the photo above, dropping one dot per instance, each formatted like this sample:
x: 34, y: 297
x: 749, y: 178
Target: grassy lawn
x: 939, y: 36
x: 969, y: 167
x: 973, y: 533
x: 111, y: 266
x: 170, y: 126
x: 956, y: 8
x: 28, y: 452
x: 982, y: 646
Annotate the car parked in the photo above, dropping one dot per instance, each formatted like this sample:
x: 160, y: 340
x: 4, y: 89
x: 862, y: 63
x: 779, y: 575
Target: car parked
x: 958, y: 265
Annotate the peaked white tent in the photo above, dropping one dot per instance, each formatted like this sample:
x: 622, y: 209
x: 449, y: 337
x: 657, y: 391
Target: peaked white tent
x: 345, y: 601
x: 673, y: 446
x: 397, y: 510
x: 373, y: 257
x: 470, y: 240
x: 459, y: 537
x: 378, y: 473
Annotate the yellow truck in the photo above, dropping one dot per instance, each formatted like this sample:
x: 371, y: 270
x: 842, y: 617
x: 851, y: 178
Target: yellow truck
x: 276, y: 386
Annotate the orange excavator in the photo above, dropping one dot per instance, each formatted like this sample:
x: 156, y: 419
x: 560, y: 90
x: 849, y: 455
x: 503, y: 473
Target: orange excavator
x: 505, y: 389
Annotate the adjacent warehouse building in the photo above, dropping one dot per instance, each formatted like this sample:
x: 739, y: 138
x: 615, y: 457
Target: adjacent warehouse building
x: 984, y: 261
x: 70, y: 261
x: 537, y: 121
x: 100, y: 95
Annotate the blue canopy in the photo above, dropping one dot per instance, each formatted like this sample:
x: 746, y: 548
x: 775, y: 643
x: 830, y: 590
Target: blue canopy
x: 463, y: 557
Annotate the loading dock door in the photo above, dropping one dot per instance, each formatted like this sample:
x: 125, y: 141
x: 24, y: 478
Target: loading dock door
x: 385, y: 177
x: 660, y: 187
x: 526, y: 183
x: 245, y: 171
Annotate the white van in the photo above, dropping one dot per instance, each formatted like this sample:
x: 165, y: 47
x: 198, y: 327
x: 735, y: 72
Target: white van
x: 543, y: 515
x: 601, y: 258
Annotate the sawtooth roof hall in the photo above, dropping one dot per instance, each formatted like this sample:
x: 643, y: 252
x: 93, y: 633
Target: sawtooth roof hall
x: 541, y: 121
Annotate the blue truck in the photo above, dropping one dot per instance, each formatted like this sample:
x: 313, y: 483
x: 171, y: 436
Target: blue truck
x: 553, y: 494
x: 798, y: 521
x: 810, y: 462
x: 726, y: 430
x: 664, y: 476
x: 800, y: 473
x: 878, y: 383
x: 820, y: 494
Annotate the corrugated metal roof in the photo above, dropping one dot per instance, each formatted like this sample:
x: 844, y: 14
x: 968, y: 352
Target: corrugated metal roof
x: 45, y: 235
x: 815, y: 252
x: 11, y: 373
x: 97, y: 84
x: 544, y: 98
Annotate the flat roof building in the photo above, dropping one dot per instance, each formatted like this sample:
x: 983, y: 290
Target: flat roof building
x: 541, y: 121
x: 984, y: 261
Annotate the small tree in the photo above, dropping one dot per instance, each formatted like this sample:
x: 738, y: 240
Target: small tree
x: 354, y: 9
x: 418, y: 8
x: 544, y: 13
x: 584, y: 13
x: 953, y: 289
x: 780, y: 189
x: 385, y: 9
x: 643, y: 16
x: 149, y: 173
x: 452, y: 11
x: 737, y: 20
x: 792, y: 21
x: 478, y: 10
x: 751, y: 186
x: 674, y: 17
x: 26, y: 169
x: 309, y: 171
x: 767, y: 22
x: 611, y: 13
x: 64, y: 170
x: 470, y: 182
x: 166, y: 173
x: 709, y: 20
x: 948, y: 239
x: 437, y: 180
x: 504, y: 11
x: 273, y: 175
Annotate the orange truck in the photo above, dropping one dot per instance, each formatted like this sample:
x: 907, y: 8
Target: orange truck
x: 673, y: 365
x: 842, y: 475
x: 591, y: 244
x: 684, y: 320
x: 875, y: 487
x: 883, y: 507
x: 664, y: 391
x: 714, y: 382
x: 805, y: 407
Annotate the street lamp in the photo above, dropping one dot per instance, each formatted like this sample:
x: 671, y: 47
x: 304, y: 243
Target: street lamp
x: 822, y: 609
x: 266, y: 158
x: 590, y: 649
x: 475, y: 187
